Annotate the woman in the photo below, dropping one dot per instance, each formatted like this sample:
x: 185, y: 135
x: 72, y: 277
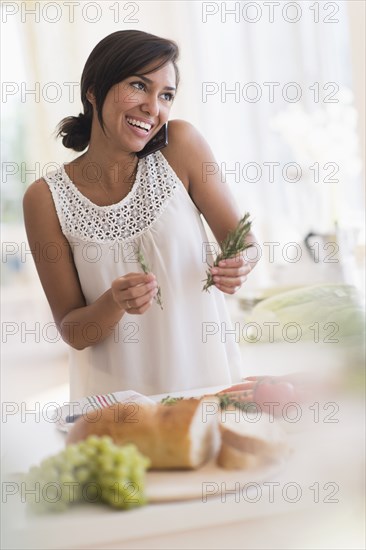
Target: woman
x: 102, y: 208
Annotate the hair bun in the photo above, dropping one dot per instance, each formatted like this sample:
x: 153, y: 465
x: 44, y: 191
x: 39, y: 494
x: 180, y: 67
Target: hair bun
x: 75, y: 132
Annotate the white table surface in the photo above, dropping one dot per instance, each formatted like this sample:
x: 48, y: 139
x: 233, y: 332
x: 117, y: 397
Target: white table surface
x: 323, y: 453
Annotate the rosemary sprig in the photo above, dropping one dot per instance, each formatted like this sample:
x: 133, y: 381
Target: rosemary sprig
x: 231, y: 246
x: 226, y: 400
x: 145, y: 268
x: 170, y: 400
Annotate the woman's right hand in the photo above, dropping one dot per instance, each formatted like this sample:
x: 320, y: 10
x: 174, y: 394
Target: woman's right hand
x: 134, y: 292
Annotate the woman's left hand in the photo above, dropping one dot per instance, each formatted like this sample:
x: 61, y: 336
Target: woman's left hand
x: 230, y: 274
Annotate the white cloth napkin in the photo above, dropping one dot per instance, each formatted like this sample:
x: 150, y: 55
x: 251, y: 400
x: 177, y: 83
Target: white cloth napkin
x: 66, y: 415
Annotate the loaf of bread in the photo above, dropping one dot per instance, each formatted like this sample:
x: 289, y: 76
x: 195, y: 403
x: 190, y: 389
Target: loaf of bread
x: 249, y: 440
x: 179, y: 436
x: 188, y: 433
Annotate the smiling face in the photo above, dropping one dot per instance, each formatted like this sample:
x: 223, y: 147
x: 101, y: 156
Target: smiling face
x: 135, y: 109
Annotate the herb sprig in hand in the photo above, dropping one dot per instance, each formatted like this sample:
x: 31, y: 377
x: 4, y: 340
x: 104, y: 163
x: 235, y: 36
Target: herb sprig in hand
x: 233, y: 244
x: 145, y: 268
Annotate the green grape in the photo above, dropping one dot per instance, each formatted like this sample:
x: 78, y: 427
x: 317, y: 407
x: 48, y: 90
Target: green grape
x: 105, y: 462
x: 106, y: 480
x: 121, y: 471
x: 93, y: 470
x: 93, y: 441
x: 82, y: 474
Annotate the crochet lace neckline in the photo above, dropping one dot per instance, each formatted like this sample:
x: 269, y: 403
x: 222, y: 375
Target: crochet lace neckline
x: 85, y: 199
x: 154, y: 186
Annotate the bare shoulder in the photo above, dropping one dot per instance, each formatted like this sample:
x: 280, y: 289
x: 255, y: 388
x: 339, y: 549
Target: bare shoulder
x: 179, y: 127
x: 182, y: 132
x: 186, y: 148
x: 37, y: 191
x: 38, y: 205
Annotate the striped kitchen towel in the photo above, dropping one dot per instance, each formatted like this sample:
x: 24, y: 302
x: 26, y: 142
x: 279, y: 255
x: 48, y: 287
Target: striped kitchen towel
x: 65, y: 416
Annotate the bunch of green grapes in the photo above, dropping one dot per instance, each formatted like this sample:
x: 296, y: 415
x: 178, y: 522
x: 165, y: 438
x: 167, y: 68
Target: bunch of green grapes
x: 94, y: 470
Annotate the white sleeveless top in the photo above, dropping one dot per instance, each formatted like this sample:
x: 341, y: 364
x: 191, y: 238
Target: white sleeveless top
x: 187, y: 344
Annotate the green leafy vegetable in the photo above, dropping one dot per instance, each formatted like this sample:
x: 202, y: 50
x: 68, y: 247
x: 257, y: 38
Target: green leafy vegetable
x: 323, y: 312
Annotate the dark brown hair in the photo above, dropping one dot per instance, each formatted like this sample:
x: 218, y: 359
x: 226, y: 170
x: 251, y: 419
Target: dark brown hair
x: 116, y: 57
